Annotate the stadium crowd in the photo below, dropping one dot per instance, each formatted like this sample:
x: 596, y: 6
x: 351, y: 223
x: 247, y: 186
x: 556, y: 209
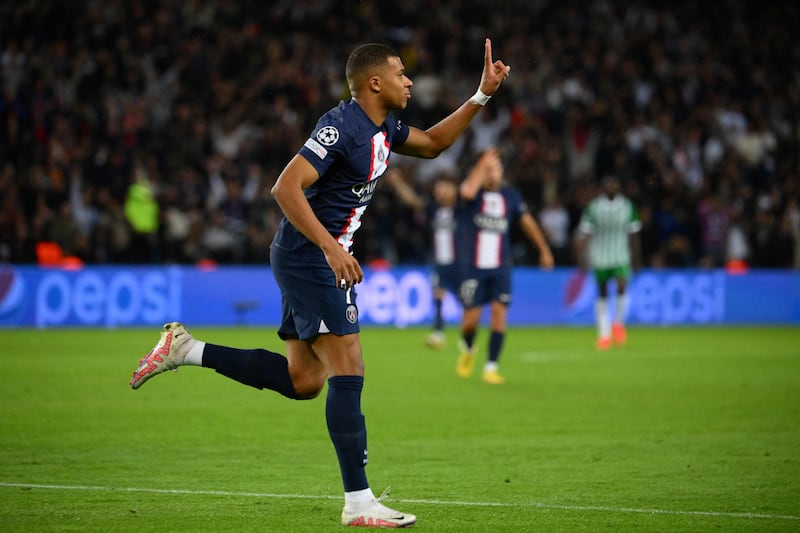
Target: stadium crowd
x: 150, y: 131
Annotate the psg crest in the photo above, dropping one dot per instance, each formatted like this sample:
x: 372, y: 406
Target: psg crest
x: 351, y: 313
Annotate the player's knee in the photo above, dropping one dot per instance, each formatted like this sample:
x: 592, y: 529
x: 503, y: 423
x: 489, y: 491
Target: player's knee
x: 308, y: 394
x: 308, y: 387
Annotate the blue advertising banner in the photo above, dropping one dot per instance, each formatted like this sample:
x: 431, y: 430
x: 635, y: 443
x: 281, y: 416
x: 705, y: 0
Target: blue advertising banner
x: 144, y: 296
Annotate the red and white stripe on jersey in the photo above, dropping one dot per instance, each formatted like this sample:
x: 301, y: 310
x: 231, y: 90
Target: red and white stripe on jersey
x: 345, y: 240
x: 489, y: 244
x: 380, y: 155
x: 378, y: 164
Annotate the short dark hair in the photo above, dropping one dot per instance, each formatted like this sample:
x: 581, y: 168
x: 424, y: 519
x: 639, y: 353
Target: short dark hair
x: 365, y: 58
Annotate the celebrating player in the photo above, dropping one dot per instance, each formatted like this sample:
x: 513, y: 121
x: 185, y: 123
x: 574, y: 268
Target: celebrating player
x: 323, y: 193
x: 446, y: 273
x: 490, y: 207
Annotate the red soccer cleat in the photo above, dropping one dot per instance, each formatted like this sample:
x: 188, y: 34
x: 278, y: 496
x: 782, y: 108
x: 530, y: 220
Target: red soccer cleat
x: 603, y: 343
x: 619, y: 334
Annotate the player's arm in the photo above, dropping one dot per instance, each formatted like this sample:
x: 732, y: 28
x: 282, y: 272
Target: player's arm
x: 583, y: 233
x: 471, y: 186
x: 532, y: 231
x: 298, y: 175
x: 634, y: 241
x: 433, y: 141
x: 403, y: 190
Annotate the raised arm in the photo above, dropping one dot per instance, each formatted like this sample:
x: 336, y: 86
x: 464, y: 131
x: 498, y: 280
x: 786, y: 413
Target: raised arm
x: 476, y: 178
x: 288, y: 192
x: 433, y: 141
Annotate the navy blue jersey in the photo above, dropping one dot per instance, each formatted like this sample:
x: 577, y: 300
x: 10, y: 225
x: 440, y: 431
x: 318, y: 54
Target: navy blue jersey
x: 483, y: 225
x: 350, y: 154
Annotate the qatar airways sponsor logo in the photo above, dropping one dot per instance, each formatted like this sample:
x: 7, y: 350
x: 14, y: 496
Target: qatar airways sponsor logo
x: 364, y: 191
x: 114, y: 298
x: 490, y: 223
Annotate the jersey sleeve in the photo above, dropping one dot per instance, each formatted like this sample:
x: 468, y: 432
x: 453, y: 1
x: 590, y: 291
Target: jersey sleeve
x: 400, y: 130
x: 325, y: 145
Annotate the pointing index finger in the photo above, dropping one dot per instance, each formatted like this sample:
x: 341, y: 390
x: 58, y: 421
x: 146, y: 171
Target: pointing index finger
x: 487, y: 55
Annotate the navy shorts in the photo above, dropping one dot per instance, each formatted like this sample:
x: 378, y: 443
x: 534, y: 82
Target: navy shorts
x: 446, y: 277
x: 310, y: 302
x: 480, y: 287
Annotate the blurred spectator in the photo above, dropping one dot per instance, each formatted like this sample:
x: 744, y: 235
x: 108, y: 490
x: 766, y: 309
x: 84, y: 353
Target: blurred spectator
x: 141, y: 212
x: 792, y: 216
x: 555, y: 224
x: 700, y: 123
x: 737, y: 245
x: 714, y: 217
x: 64, y: 231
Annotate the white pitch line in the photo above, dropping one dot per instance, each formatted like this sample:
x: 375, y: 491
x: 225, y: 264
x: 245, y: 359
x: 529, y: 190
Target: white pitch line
x: 536, y: 505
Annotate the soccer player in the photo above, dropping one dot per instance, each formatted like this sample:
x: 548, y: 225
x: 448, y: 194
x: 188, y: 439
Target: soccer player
x: 489, y: 209
x: 323, y: 192
x: 441, y: 215
x: 610, y: 226
x: 446, y: 276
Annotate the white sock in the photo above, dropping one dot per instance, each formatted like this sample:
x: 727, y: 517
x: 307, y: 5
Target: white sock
x: 622, y: 308
x: 358, y: 499
x: 601, y: 316
x: 491, y: 366
x: 195, y: 355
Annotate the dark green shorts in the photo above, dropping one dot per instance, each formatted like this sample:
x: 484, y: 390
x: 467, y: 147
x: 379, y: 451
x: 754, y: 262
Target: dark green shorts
x: 603, y: 275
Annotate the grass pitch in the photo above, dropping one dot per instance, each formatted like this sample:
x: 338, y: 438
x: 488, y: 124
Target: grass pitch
x: 680, y: 430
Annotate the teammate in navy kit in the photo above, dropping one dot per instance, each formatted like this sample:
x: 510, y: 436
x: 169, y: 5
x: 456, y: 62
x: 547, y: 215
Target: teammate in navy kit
x: 488, y: 210
x: 323, y: 192
x: 440, y: 213
x: 446, y: 267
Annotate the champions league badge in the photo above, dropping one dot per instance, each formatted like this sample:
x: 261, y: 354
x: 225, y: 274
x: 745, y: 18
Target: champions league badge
x: 328, y: 135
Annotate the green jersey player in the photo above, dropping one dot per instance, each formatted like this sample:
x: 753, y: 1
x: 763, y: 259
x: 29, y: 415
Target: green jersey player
x: 610, y: 226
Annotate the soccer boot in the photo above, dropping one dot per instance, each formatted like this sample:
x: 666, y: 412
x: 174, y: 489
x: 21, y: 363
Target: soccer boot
x: 435, y: 340
x: 492, y: 377
x: 603, y: 343
x: 466, y: 360
x: 375, y: 514
x: 618, y: 333
x: 167, y: 354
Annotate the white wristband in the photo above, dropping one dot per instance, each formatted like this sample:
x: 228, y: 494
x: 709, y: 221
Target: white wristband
x: 479, y: 98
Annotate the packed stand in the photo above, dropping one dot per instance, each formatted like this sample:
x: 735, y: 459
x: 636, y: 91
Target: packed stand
x: 151, y: 132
